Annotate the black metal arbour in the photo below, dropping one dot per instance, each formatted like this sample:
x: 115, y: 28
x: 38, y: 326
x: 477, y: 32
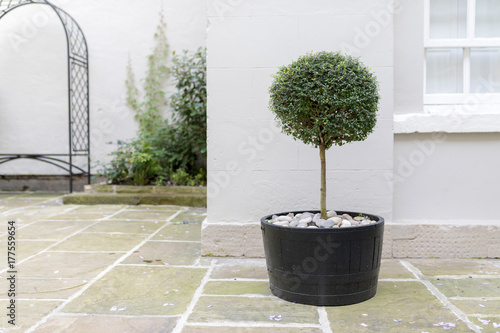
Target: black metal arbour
x: 78, y: 94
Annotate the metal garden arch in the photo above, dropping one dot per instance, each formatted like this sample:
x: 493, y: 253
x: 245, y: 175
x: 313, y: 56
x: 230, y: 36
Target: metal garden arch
x: 78, y: 95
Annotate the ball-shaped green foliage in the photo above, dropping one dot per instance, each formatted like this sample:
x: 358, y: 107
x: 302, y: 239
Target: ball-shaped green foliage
x: 325, y: 98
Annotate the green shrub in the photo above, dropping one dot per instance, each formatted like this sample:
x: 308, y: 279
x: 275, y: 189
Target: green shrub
x: 134, y: 162
x: 325, y: 99
x: 189, y: 119
x: 181, y: 177
x: 166, y: 151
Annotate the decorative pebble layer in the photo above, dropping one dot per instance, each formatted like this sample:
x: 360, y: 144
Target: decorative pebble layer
x: 311, y: 220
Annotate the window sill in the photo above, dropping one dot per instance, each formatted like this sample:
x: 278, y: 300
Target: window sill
x: 447, y: 123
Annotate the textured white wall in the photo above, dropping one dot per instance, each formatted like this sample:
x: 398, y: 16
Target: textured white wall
x: 254, y: 170
x: 442, y: 176
x: 33, y: 79
x: 409, y: 57
x: 438, y: 177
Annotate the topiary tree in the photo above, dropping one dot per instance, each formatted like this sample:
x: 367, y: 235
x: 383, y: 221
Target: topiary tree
x: 325, y: 99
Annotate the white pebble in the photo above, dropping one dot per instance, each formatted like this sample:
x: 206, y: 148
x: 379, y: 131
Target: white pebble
x: 346, y: 223
x: 303, y: 220
x: 306, y: 220
x: 282, y: 223
x: 336, y: 220
x: 328, y: 223
x: 331, y: 213
x: 316, y: 217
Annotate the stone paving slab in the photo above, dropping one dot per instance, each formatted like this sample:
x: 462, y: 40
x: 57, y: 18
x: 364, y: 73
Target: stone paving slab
x: 193, y: 215
x: 26, y: 249
x: 119, y: 268
x: 70, y: 216
x: 29, y: 313
x: 457, y: 267
x: 66, y: 264
x: 94, y: 241
x: 26, y: 215
x: 151, y: 215
x: 180, y: 232
x: 140, y: 290
x: 232, y: 309
x: 468, y: 287
x: 50, y: 288
x: 95, y: 323
x: 394, y: 269
x: 239, y: 288
x: 125, y: 227
x: 229, y: 268
x: 407, y: 306
x: 483, y: 306
x: 210, y: 329
x: 51, y: 229
x: 165, y: 253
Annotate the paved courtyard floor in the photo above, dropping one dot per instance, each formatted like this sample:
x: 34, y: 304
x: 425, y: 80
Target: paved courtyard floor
x: 110, y: 269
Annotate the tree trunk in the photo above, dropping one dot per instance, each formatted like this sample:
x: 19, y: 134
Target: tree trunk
x: 323, y: 181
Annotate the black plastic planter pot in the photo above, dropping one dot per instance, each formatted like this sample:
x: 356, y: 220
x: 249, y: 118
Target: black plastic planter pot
x: 331, y: 266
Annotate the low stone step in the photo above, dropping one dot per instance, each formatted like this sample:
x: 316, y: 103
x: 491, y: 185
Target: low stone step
x: 106, y: 188
x: 178, y: 199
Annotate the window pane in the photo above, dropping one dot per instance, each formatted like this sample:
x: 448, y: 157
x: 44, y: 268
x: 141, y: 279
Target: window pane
x: 448, y: 18
x: 444, y: 71
x: 485, y: 70
x: 487, y: 18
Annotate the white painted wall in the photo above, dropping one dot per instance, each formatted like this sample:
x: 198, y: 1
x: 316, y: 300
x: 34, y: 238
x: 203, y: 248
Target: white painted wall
x: 254, y: 170
x: 409, y: 57
x: 445, y: 164
x: 33, y: 79
x: 443, y: 176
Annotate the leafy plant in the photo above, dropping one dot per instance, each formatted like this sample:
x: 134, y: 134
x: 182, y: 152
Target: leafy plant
x: 325, y: 99
x: 165, y: 151
x: 181, y: 177
x: 135, y: 162
x: 148, y: 112
x: 190, y: 108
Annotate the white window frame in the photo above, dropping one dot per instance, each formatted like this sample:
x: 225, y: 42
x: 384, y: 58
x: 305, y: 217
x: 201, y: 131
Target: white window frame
x: 467, y: 101
x: 452, y: 113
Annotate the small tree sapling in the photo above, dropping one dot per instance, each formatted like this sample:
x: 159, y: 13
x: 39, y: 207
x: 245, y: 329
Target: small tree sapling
x: 325, y: 99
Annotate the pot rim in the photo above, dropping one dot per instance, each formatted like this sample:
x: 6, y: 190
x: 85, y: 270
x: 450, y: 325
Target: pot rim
x: 380, y: 221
